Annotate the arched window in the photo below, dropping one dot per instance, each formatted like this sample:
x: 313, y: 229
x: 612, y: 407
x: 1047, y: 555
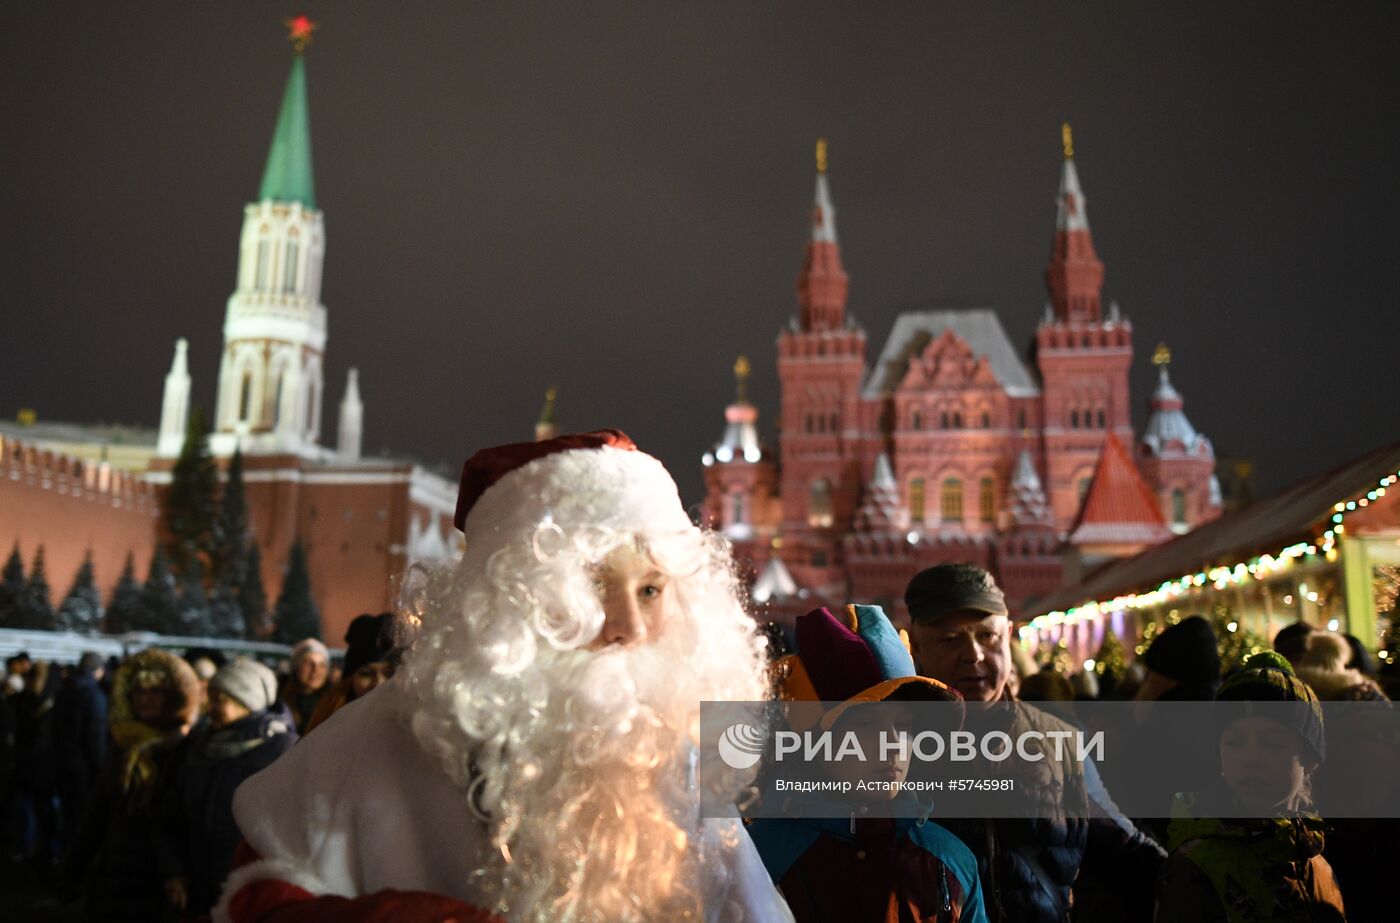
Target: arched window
x: 957, y: 419
x: 260, y: 274
x: 1179, y: 506
x: 807, y: 426
x: 738, y: 511
x: 819, y: 510
x: 916, y: 420
x: 245, y: 394
x: 986, y: 420
x: 943, y: 420
x: 835, y: 423
x: 987, y: 500
x: 1102, y: 420
x: 289, y: 274
x: 916, y: 500
x: 1020, y: 419
x: 1074, y: 419
x: 952, y: 500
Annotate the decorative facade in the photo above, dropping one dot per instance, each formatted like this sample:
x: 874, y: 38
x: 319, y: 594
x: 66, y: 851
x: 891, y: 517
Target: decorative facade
x: 951, y: 447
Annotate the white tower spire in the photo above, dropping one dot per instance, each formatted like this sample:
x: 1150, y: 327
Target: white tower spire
x: 352, y: 413
x: 175, y: 408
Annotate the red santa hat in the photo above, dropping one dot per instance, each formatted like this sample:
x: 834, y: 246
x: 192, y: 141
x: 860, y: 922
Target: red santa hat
x: 581, y: 479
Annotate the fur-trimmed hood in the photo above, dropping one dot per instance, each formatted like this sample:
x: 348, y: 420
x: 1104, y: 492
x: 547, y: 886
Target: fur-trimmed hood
x: 166, y: 670
x: 1341, y: 685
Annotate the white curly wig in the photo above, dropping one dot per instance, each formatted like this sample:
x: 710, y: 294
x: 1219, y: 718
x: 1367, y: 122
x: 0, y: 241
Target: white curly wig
x: 579, y: 760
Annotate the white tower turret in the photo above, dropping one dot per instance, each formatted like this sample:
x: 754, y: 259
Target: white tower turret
x: 352, y: 412
x: 175, y: 407
x: 270, y: 378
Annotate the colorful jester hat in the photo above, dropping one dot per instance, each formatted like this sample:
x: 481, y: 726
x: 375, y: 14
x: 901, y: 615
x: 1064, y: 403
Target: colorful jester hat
x: 855, y: 658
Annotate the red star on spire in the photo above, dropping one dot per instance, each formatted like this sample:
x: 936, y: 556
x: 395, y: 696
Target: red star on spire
x: 299, y: 29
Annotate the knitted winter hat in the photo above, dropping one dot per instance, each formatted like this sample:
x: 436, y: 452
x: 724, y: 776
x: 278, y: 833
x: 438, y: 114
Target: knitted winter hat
x: 369, y: 639
x: 1187, y: 652
x: 310, y: 646
x: 856, y: 658
x: 1268, y: 677
x: 251, y: 683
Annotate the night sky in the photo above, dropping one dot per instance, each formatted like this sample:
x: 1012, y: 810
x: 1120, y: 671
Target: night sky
x: 613, y: 199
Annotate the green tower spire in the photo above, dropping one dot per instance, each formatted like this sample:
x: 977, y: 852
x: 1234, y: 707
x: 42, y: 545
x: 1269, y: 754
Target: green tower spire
x: 287, y: 177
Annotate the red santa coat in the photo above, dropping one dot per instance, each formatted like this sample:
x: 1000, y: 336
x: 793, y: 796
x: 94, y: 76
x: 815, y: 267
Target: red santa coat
x: 360, y: 811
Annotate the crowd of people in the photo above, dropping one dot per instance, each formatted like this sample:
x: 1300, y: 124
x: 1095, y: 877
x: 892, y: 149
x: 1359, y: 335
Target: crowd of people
x: 534, y: 757
x: 117, y: 777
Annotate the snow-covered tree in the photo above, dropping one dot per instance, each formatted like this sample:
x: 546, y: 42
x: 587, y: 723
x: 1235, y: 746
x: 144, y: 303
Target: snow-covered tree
x: 82, y: 607
x: 124, y: 608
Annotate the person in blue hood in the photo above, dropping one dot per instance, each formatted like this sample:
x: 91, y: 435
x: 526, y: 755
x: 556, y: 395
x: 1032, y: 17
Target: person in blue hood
x: 247, y: 729
x: 858, y: 868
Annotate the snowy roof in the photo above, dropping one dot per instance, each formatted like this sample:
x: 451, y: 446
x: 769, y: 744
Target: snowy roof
x: 111, y: 433
x: 1167, y: 425
x: 980, y: 328
x: 774, y: 583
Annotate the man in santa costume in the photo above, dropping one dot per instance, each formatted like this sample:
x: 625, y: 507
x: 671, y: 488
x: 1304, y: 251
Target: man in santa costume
x: 533, y: 758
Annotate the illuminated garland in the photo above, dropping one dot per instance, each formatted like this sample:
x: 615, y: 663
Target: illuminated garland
x: 1259, y: 568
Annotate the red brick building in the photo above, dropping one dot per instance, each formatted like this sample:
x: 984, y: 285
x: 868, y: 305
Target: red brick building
x: 950, y: 447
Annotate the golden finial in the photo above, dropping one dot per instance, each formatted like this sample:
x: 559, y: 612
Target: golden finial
x: 1067, y: 137
x: 1162, y: 355
x: 299, y: 29
x: 741, y: 377
x: 821, y: 155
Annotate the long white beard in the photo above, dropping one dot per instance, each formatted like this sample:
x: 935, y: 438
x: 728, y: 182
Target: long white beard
x: 577, y: 760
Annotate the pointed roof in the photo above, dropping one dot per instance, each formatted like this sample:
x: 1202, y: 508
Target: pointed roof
x: 179, y: 365
x: 879, y: 511
x: 287, y: 176
x: 979, y: 328
x: 1029, y: 506
x: 1119, y: 508
x: 822, y: 282
x: 775, y: 583
x: 352, y: 388
x: 823, y: 212
x: 1168, y: 430
x: 1075, y: 273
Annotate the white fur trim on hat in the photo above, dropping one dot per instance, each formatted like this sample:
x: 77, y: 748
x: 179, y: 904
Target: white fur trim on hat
x: 620, y: 489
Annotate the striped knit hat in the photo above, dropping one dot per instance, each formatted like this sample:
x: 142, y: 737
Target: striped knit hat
x: 1268, y: 677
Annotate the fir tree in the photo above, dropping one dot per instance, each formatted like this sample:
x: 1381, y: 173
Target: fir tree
x: 192, y: 606
x: 38, y: 607
x: 230, y: 534
x: 82, y: 607
x: 12, y: 589
x: 296, y: 616
x: 189, y: 504
x: 157, y: 612
x: 252, y: 598
x: 124, y: 608
x: 225, y: 612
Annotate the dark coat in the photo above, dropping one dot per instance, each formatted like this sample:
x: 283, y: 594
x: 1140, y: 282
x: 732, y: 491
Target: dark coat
x: 115, y: 847
x: 198, y: 834
x: 79, y: 732
x: 34, y: 756
x: 870, y: 870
